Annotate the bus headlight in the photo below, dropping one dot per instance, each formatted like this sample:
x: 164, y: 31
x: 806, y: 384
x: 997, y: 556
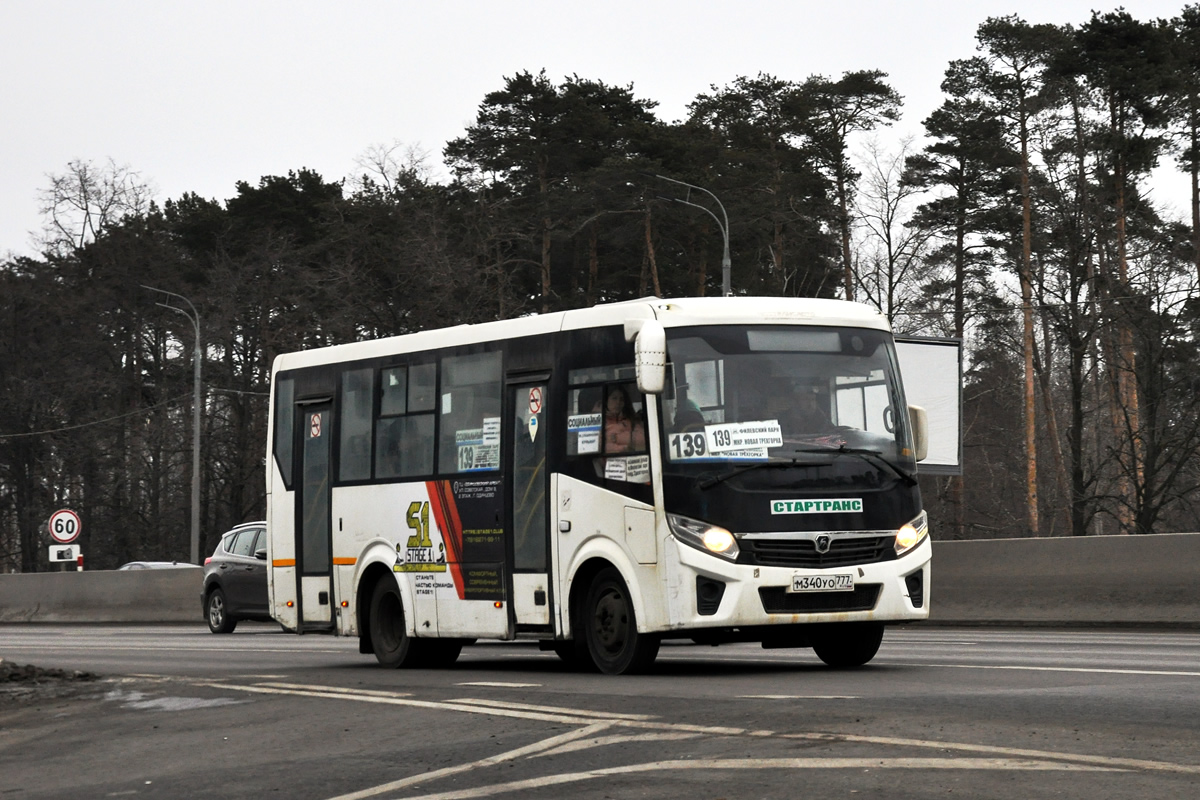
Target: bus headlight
x: 710, y: 538
x: 911, y: 534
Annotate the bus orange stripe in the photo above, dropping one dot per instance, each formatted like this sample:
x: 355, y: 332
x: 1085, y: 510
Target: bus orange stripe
x: 284, y: 562
x: 346, y: 561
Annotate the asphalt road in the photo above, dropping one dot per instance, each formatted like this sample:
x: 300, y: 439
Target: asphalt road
x: 180, y: 713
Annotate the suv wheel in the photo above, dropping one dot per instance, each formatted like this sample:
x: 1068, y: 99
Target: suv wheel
x: 219, y: 620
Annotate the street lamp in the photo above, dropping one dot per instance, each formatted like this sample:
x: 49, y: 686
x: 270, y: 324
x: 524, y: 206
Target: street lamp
x: 726, y: 290
x: 194, y: 318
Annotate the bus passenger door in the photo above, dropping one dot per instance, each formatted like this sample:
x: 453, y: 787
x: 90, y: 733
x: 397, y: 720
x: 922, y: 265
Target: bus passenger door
x: 314, y: 530
x: 529, y: 482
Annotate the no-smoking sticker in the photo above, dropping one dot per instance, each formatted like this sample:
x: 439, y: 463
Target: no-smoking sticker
x: 314, y: 427
x: 535, y: 400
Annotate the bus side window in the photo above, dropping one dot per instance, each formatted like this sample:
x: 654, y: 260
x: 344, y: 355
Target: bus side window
x: 606, y: 426
x: 469, y: 414
x: 284, y: 411
x: 355, y: 424
x: 404, y: 431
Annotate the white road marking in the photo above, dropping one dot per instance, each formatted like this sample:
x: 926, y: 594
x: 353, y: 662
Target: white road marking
x: 387, y: 699
x: 550, y: 709
x: 158, y: 648
x: 1103, y: 761
x: 883, y: 661
x: 604, y: 741
x: 797, y: 697
x: 501, y: 684
x: 528, y: 750
x: 762, y: 763
x: 257, y: 677
x: 1015, y: 757
x: 1020, y: 667
x: 339, y: 690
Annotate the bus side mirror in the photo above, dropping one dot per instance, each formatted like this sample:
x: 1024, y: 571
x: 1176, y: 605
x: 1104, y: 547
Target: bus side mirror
x: 650, y: 353
x: 920, y: 431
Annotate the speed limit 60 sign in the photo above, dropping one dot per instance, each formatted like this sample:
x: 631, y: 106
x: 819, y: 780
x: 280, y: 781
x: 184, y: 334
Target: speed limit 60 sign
x: 64, y: 526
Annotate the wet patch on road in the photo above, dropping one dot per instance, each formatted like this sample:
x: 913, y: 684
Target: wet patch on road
x: 142, y: 701
x: 19, y: 682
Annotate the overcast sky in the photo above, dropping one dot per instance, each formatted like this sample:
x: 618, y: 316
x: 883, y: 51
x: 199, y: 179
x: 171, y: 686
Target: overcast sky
x: 198, y: 95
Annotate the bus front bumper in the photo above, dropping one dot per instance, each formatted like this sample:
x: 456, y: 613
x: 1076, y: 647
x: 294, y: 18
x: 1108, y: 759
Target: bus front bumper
x: 710, y: 592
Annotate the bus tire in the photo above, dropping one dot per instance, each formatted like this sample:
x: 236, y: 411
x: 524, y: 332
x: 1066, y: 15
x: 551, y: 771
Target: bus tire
x: 393, y: 647
x: 846, y: 644
x: 610, y: 627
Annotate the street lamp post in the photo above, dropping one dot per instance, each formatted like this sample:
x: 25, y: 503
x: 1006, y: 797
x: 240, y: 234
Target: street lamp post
x: 726, y: 289
x: 194, y: 318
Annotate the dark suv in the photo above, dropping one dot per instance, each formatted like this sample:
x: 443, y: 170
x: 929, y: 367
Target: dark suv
x: 235, y: 578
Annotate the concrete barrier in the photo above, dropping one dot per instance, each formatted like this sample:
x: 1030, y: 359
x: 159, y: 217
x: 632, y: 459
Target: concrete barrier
x: 1097, y: 580
x: 144, y: 595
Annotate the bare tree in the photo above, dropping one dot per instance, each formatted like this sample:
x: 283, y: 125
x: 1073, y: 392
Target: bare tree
x: 85, y: 200
x: 385, y: 164
x: 893, y: 245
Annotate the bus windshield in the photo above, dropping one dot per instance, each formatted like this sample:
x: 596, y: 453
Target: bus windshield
x: 784, y: 393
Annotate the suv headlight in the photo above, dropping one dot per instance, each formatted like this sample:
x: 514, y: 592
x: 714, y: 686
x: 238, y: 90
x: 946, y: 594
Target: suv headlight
x: 701, y: 535
x: 911, y: 533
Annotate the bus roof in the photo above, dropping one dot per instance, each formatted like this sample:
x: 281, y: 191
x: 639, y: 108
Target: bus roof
x: 670, y: 312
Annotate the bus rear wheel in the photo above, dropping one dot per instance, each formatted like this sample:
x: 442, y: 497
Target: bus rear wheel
x: 846, y: 644
x: 610, y: 627
x: 393, y: 647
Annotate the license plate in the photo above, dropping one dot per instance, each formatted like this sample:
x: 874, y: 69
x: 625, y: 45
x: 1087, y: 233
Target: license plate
x: 822, y: 583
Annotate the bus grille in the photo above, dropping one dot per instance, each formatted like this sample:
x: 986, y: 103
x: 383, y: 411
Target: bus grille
x: 843, y: 552
x: 778, y: 600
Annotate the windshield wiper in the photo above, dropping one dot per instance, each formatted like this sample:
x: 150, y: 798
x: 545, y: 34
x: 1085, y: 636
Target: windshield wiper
x: 865, y: 455
x: 708, y: 483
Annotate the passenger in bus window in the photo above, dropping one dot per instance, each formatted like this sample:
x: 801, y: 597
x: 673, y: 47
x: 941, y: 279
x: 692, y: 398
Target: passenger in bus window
x: 622, y: 428
x: 638, y: 440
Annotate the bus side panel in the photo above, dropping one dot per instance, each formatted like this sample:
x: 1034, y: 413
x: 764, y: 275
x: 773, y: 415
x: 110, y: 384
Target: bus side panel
x: 598, y: 530
x: 437, y: 586
x: 365, y: 517
x: 281, y: 551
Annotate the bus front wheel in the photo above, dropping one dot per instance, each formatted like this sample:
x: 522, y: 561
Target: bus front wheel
x: 846, y: 644
x: 610, y: 627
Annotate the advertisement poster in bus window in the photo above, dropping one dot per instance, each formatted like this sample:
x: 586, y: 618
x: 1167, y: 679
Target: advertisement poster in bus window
x: 454, y: 541
x: 479, y: 448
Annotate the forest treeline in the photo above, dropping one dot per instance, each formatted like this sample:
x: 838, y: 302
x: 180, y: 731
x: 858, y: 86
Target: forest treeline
x: 1022, y: 223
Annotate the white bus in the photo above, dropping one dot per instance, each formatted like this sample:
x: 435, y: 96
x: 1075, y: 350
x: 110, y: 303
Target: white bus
x: 597, y: 480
